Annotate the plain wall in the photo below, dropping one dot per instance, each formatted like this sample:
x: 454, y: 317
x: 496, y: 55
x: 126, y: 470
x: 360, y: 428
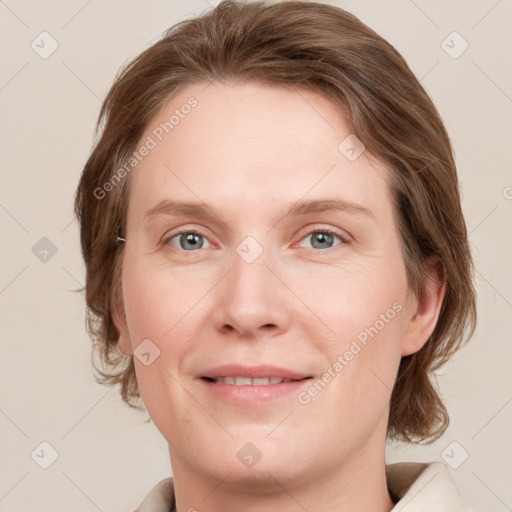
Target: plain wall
x: 108, y: 456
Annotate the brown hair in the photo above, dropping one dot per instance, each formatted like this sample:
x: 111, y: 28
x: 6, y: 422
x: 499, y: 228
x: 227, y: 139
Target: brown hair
x: 329, y: 51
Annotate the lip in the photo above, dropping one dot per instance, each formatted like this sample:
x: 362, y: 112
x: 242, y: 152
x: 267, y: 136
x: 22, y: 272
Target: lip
x: 260, y: 371
x: 254, y: 394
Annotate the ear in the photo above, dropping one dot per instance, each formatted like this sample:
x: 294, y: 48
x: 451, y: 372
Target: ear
x: 119, y: 317
x: 423, y: 312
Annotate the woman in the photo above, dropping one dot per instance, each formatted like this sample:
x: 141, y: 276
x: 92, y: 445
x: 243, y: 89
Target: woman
x: 277, y: 261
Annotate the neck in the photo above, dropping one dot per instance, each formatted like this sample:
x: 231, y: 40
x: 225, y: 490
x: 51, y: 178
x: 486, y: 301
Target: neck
x: 358, y: 484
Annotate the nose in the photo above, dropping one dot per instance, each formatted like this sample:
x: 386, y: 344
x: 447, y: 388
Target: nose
x: 252, y: 300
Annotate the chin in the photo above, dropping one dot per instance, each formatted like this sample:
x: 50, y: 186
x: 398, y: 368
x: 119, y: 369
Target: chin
x: 267, y: 476
x: 254, y: 459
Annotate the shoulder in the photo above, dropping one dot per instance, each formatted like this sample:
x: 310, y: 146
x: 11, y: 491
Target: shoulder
x: 425, y: 486
x: 160, y: 498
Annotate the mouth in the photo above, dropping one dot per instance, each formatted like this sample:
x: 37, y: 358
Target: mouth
x: 248, y: 381
x: 252, y: 385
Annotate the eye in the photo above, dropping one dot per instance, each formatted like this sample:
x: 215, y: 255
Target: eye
x: 323, y: 238
x: 187, y: 240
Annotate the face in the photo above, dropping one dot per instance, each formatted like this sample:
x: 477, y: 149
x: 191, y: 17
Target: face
x: 287, y: 265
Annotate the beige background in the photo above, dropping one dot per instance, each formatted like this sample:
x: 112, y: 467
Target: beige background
x: 108, y: 457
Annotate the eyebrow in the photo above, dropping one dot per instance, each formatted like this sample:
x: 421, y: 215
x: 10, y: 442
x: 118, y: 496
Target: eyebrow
x: 199, y: 209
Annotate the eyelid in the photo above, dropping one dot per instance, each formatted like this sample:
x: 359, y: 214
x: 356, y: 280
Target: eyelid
x: 322, y: 228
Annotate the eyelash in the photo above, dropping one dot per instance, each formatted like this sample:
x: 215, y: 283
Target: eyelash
x: 333, y: 232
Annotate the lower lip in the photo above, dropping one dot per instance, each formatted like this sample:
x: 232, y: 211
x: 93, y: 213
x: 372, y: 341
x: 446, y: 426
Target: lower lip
x: 251, y: 395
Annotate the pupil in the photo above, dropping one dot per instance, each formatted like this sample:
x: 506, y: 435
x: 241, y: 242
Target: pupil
x: 323, y: 238
x: 191, y: 240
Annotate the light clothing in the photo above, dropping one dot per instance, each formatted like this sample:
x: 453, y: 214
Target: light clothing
x: 419, y: 487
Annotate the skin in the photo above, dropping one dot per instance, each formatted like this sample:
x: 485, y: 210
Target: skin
x: 249, y: 151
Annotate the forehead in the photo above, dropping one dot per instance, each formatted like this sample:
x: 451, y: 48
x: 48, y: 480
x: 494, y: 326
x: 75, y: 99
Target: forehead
x: 252, y: 145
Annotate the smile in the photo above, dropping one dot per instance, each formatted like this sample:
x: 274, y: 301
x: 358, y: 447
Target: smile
x: 248, y: 381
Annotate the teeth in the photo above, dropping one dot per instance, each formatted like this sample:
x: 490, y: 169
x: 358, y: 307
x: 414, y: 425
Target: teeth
x: 262, y: 381
x: 243, y: 381
x: 247, y: 381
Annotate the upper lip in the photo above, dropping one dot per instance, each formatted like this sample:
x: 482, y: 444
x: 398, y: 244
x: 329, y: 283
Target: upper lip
x: 260, y: 371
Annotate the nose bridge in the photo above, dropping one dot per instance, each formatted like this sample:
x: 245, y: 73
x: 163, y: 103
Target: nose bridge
x: 252, y: 296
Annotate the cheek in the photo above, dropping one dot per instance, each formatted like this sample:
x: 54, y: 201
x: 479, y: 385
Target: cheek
x: 157, y: 311
x: 356, y: 386
x: 365, y: 314
x: 159, y: 307
x: 351, y: 298
x: 155, y: 302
